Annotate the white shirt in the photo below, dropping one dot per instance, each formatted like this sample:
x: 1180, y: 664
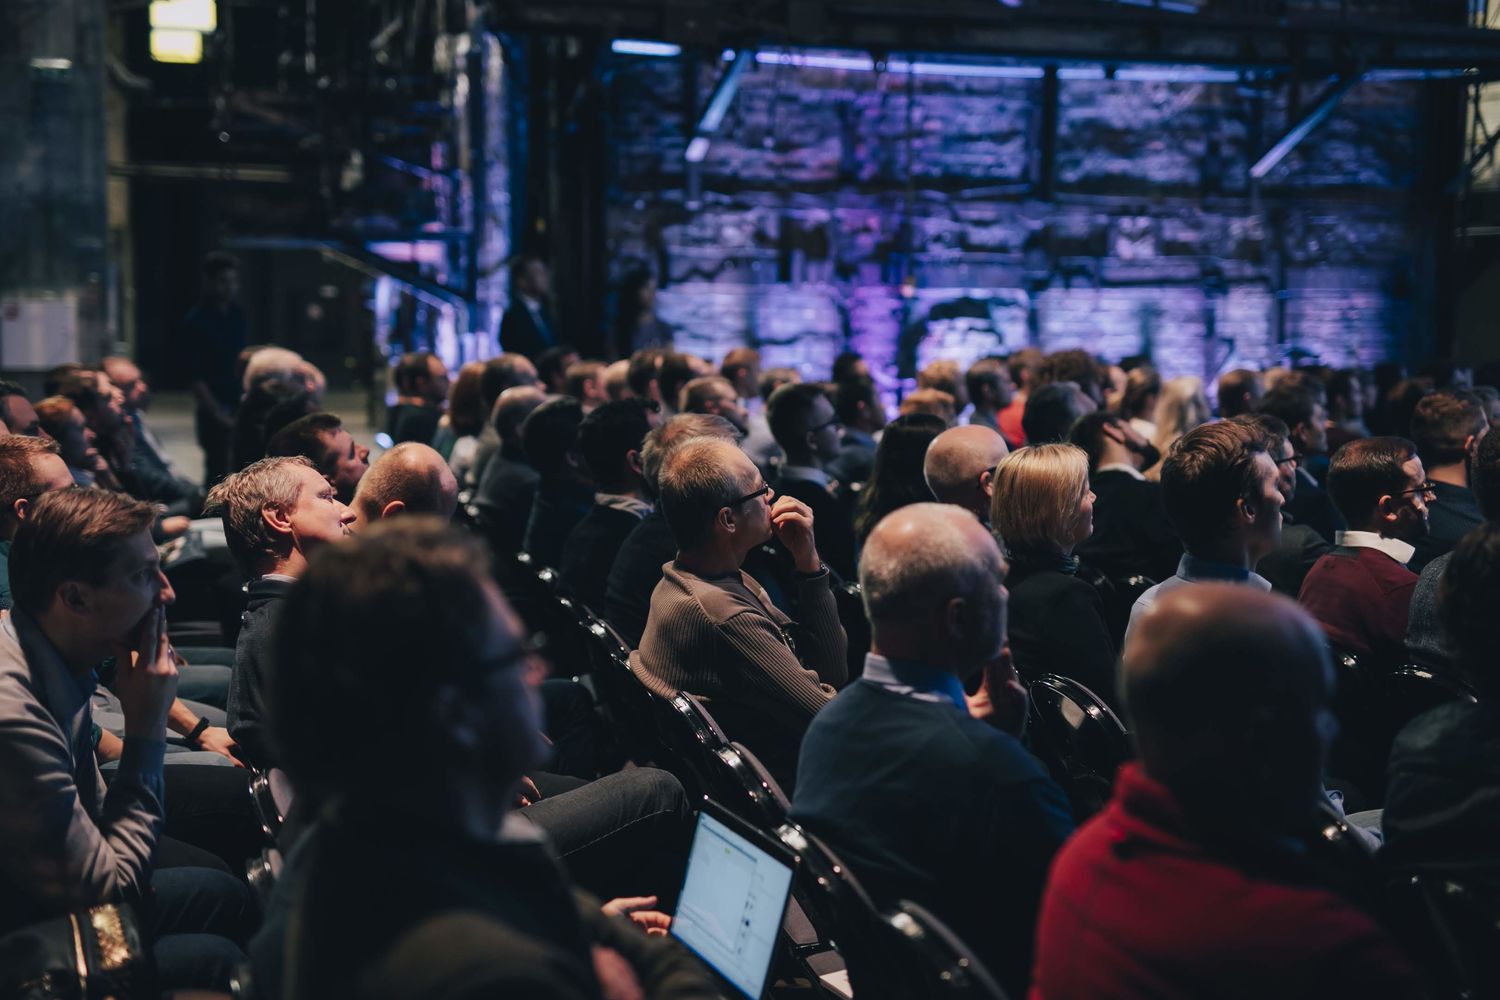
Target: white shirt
x: 1393, y: 547
x: 1129, y: 470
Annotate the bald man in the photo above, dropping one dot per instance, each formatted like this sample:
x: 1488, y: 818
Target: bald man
x: 960, y: 467
x: 925, y: 797
x: 1229, y: 693
x: 411, y: 478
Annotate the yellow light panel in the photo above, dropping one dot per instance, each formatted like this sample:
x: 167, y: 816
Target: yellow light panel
x: 185, y: 15
x: 170, y: 46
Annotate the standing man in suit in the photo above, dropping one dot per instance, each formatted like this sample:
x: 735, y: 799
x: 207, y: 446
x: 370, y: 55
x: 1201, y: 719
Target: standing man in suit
x: 526, y: 328
x: 804, y: 425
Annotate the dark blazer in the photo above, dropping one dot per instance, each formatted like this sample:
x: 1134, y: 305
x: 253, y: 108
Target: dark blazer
x: 833, y: 521
x: 635, y: 574
x: 1056, y: 623
x: 249, y: 722
x: 558, y: 508
x: 1450, y: 517
x: 519, y: 333
x: 1289, y: 565
x: 506, y: 491
x: 1312, y: 506
x: 1131, y: 534
x: 590, y: 551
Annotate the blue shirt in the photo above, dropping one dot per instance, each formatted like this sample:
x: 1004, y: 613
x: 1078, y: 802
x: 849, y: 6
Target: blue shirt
x: 1195, y: 570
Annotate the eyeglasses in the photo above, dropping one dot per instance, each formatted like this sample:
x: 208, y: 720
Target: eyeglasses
x: 1293, y: 458
x: 835, y: 422
x: 1427, y: 489
x: 750, y: 496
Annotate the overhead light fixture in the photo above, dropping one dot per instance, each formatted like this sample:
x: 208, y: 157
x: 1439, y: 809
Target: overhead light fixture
x: 642, y: 47
x: 718, y: 106
x: 178, y: 27
x: 171, y: 46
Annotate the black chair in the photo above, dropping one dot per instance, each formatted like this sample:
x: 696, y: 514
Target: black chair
x: 1411, y: 690
x: 1117, y: 595
x: 272, y: 796
x: 929, y: 960
x: 262, y: 871
x: 1452, y: 930
x: 1079, y: 738
x: 628, y: 704
x: 691, y: 741
x: 851, y: 605
x: 840, y: 923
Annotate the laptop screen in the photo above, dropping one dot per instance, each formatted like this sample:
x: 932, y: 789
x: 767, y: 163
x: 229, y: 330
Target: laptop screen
x: 732, y: 903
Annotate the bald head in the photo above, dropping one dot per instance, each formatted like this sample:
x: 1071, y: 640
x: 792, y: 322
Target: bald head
x: 931, y: 579
x: 1223, y: 679
x: 512, y: 408
x: 960, y: 464
x: 411, y: 478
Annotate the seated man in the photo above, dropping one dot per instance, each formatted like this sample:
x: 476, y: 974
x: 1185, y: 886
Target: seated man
x: 150, y: 465
x: 715, y: 396
x: 714, y: 632
x: 1131, y: 533
x: 507, y: 486
x: 1219, y: 680
x: 921, y: 798
x: 63, y: 422
x: 1442, y: 806
x: 421, y: 393
x: 1361, y: 591
x: 649, y: 546
x: 411, y: 478
x: 857, y: 403
x: 88, y: 586
x: 1297, y: 404
x: 990, y: 390
x: 1052, y: 410
x: 1448, y: 427
x: 16, y: 411
x: 29, y: 468
x: 471, y: 902
x: 564, y: 492
x: 1219, y: 488
x: 609, y: 442
x: 960, y: 467
x: 322, y: 440
x: 275, y: 511
x: 807, y: 429
x: 1287, y: 565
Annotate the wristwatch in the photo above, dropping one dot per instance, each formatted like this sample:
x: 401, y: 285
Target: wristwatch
x: 197, y: 732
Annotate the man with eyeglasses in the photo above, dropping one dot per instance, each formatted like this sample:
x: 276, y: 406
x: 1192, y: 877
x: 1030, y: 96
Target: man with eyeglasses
x: 808, y: 431
x: 1301, y: 546
x: 1361, y: 591
x: 715, y: 632
x: 960, y: 467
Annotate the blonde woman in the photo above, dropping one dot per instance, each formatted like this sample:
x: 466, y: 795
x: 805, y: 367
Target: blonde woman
x: 1182, y: 407
x: 1041, y: 509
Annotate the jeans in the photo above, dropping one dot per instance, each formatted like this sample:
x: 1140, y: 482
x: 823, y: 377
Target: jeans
x: 197, y: 917
x: 568, y: 709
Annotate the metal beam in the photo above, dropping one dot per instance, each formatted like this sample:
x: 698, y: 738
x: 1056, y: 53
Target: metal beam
x: 362, y: 260
x: 718, y: 105
x: 1311, y: 119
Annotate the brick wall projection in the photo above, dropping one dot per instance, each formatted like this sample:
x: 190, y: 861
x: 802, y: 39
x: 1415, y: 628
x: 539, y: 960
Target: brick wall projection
x: 816, y: 222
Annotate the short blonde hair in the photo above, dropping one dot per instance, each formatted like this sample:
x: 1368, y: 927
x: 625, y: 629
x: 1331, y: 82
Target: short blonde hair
x: 1036, y: 495
x: 934, y: 401
x: 241, y: 497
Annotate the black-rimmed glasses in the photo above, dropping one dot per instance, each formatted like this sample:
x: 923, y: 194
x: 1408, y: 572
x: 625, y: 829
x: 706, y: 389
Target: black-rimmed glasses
x: 1427, y: 490
x: 766, y: 488
x: 835, y: 422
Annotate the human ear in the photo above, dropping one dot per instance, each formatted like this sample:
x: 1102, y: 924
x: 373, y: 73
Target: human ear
x: 276, y: 519
x: 633, y: 460
x: 73, y: 598
x: 392, y: 509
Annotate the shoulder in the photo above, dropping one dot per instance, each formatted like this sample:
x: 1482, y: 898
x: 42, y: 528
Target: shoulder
x: 717, y: 603
x: 469, y: 955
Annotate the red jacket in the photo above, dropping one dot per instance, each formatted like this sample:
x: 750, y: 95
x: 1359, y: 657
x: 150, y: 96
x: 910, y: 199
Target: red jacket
x: 1135, y: 908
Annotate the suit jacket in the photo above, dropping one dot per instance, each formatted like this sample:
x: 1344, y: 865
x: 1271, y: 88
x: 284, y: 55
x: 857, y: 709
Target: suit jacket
x: 833, y: 521
x: 1289, y: 565
x: 413, y: 422
x: 558, y: 508
x: 1131, y: 534
x: 249, y: 721
x: 519, y: 333
x: 1312, y: 506
x: 507, y: 489
x: 590, y: 551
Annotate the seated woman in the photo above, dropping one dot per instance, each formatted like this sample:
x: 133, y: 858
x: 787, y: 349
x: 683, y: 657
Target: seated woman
x: 1042, y: 509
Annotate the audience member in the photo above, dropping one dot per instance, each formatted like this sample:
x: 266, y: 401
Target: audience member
x: 1078, y: 367
x: 897, y: 478
x: 507, y: 488
x: 1025, y: 367
x: 585, y: 382
x: 609, y: 442
x: 276, y: 512
x: 1052, y: 410
x: 322, y: 440
x: 1361, y: 591
x: 215, y: 331
x: 936, y: 402
x: 650, y: 546
x: 674, y: 371
x: 458, y: 433
x: 1042, y: 508
x: 1138, y: 404
x: 471, y: 901
x: 617, y: 380
x: 411, y: 478
x: 959, y: 467
x: 714, y: 631
x: 267, y: 393
x: 1219, y: 681
x: 16, y: 411
x: 807, y: 429
x: 929, y: 797
x: 87, y: 586
x: 29, y: 468
x: 526, y: 328
x: 421, y: 390
x: 850, y: 365
x: 552, y: 368
x: 1287, y: 565
x: 1239, y: 391
x: 1296, y: 405
x: 1346, y: 408
x: 990, y: 390
x: 1440, y: 813
x: 741, y: 367
x: 564, y: 492
x: 1447, y: 427
x: 1131, y: 534
x: 714, y: 395
x: 760, y: 444
x: 1181, y: 407
x: 946, y: 376
x: 150, y: 466
x: 503, y: 371
x: 636, y: 322
x: 857, y: 404
x: 1218, y: 485
x: 63, y: 422
x: 1425, y: 637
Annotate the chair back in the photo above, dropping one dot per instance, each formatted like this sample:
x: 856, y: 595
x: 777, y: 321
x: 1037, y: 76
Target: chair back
x: 851, y: 605
x: 1117, y: 595
x: 842, y: 916
x: 1452, y: 930
x: 1411, y: 690
x: 1079, y: 738
x: 271, y: 797
x: 932, y: 960
x: 262, y: 871
x: 627, y: 702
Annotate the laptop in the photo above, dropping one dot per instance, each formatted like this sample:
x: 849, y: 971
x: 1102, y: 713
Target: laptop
x: 733, y: 899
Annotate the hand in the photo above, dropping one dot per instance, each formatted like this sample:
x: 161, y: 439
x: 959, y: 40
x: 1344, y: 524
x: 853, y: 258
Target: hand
x: 146, y: 678
x: 792, y: 523
x: 651, y: 921
x: 1121, y: 432
x: 216, y: 739
x: 617, y: 980
x: 527, y: 794
x: 176, y: 525
x: 1002, y: 700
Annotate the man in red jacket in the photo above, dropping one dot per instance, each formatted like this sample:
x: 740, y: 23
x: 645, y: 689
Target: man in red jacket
x: 1191, y: 882
x: 1361, y: 591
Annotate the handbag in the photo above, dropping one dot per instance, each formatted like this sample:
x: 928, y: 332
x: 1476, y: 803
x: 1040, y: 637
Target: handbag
x: 90, y: 954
